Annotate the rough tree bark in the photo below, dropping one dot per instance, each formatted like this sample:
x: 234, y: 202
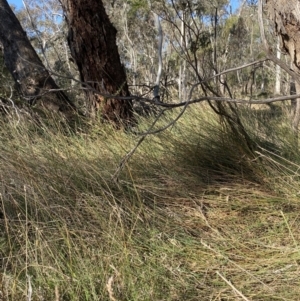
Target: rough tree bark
x: 285, y: 14
x: 92, y: 41
x: 27, y: 69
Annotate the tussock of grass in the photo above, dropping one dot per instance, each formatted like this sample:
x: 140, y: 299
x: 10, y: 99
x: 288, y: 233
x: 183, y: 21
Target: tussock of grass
x: 193, y: 216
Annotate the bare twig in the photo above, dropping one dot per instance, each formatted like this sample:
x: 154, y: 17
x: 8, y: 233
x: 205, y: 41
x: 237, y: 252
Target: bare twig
x: 13, y: 104
x: 127, y: 157
x: 223, y: 99
x: 209, y: 98
x: 184, y: 106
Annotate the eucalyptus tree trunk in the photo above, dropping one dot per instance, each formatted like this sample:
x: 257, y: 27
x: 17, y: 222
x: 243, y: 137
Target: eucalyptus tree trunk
x: 182, y: 66
x: 92, y: 41
x: 286, y: 18
x: 31, y: 77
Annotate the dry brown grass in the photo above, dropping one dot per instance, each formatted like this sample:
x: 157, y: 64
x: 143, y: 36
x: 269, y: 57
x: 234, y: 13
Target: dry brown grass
x: 192, y: 217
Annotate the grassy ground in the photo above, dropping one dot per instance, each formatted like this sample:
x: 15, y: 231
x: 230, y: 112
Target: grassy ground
x: 192, y: 216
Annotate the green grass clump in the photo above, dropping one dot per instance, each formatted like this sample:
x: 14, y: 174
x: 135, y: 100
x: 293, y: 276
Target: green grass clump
x: 194, y: 215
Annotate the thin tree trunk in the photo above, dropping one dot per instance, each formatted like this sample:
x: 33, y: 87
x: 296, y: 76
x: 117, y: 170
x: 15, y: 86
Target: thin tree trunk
x: 92, y: 41
x: 182, y: 66
x: 31, y: 77
x: 278, y: 70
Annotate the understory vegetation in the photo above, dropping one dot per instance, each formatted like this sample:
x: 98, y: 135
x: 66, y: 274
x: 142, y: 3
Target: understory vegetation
x: 193, y: 215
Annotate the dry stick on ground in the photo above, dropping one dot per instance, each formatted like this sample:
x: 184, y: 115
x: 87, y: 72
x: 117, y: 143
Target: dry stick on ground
x: 235, y: 264
x: 232, y: 286
x: 110, y: 288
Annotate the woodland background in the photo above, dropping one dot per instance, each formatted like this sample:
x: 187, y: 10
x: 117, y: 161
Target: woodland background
x: 197, y: 200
